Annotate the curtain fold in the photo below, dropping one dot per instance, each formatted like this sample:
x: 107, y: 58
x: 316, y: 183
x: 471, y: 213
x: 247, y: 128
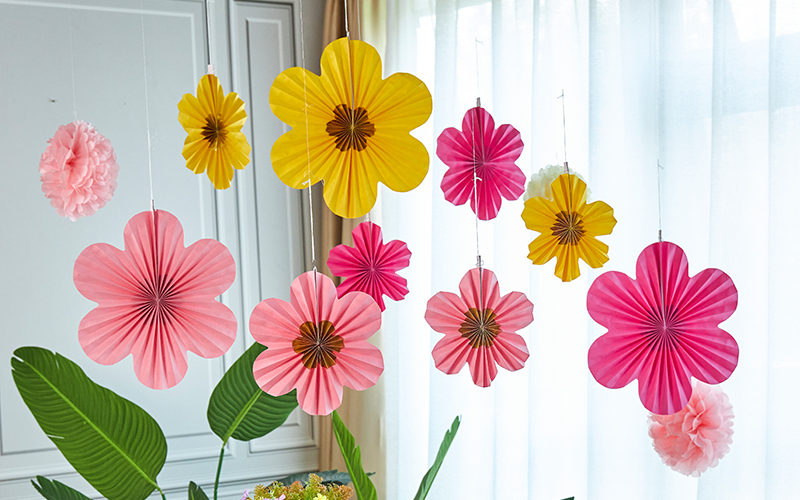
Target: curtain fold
x: 706, y: 89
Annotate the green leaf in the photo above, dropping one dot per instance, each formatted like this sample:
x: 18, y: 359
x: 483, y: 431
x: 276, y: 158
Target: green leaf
x: 111, y: 442
x: 238, y: 408
x: 365, y: 490
x: 570, y: 498
x: 427, y: 479
x: 53, y: 490
x: 196, y: 492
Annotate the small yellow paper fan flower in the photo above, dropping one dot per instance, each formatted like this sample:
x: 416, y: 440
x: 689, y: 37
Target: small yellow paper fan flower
x: 214, y: 121
x: 569, y: 227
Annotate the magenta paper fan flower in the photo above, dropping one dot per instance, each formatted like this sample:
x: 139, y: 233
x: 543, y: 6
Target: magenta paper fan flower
x: 370, y: 266
x: 696, y: 437
x: 662, y: 328
x: 78, y: 170
x: 490, y: 153
x: 317, y: 343
x: 479, y: 328
x: 156, y: 299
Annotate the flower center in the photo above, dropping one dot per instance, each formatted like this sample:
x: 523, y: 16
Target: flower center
x: 318, y: 344
x: 156, y: 299
x: 479, y: 327
x: 214, y: 131
x: 664, y: 328
x: 350, y: 128
x: 568, y: 228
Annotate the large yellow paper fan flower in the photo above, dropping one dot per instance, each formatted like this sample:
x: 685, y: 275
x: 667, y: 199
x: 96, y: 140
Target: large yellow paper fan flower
x: 569, y: 227
x: 350, y: 136
x: 214, y: 121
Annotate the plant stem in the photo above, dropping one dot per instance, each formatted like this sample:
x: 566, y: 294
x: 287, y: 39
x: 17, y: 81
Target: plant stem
x: 162, y: 493
x: 219, y: 468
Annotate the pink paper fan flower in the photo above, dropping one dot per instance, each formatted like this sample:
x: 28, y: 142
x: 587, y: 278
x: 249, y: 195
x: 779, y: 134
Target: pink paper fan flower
x: 491, y: 153
x: 479, y: 332
x: 156, y: 299
x: 369, y: 266
x: 662, y: 331
x: 317, y: 343
x: 78, y: 170
x: 696, y: 437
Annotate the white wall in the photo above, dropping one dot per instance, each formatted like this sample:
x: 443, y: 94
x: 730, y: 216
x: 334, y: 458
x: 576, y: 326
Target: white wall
x: 259, y: 219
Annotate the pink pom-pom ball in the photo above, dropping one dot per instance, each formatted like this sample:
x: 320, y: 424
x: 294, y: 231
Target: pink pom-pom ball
x: 78, y: 170
x: 696, y: 437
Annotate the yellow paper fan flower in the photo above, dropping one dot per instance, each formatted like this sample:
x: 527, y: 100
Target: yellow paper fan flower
x: 350, y: 136
x: 569, y: 227
x: 214, y: 121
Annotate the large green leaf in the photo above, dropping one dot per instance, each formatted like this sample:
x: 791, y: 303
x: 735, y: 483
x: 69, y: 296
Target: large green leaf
x: 53, y: 490
x: 196, y: 492
x: 240, y: 409
x: 111, y: 442
x: 427, y: 479
x: 365, y: 490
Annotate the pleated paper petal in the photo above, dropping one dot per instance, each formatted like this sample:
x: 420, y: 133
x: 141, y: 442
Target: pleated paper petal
x: 214, y: 121
x: 569, y: 227
x: 156, y: 299
x: 317, y: 343
x: 350, y: 136
x: 663, y: 328
x: 479, y: 149
x: 370, y: 266
x: 479, y: 327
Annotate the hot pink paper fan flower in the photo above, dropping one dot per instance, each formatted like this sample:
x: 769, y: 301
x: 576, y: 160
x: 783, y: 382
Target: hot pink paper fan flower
x: 370, y: 266
x: 156, y: 299
x: 479, y: 327
x: 696, y: 437
x: 489, y: 152
x: 317, y: 343
x: 78, y: 170
x: 662, y: 328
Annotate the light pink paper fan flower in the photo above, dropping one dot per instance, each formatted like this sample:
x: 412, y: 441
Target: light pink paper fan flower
x: 317, y: 343
x: 696, y: 437
x: 156, y: 299
x: 370, y: 266
x: 479, y: 327
x: 662, y: 328
x: 78, y: 170
x: 488, y: 152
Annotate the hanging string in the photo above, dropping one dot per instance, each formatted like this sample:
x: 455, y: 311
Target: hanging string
x: 208, y: 37
x: 308, y: 146
x: 564, y: 127
x: 147, y: 110
x: 659, y: 168
x: 72, y: 65
x: 475, y: 178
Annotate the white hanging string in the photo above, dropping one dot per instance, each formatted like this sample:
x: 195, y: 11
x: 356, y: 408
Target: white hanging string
x: 208, y: 37
x: 566, y: 164
x: 475, y: 178
x: 72, y: 65
x: 147, y: 109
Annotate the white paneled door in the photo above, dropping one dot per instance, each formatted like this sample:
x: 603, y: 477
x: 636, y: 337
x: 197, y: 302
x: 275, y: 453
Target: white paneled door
x: 87, y: 58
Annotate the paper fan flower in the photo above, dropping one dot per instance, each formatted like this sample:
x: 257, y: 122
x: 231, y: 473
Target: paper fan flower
x: 214, y: 122
x: 350, y: 136
x: 78, y: 170
x: 479, y: 327
x: 317, y: 343
x: 370, y: 266
x: 479, y: 149
x: 569, y: 227
x: 156, y: 299
x: 662, y: 328
x: 696, y: 437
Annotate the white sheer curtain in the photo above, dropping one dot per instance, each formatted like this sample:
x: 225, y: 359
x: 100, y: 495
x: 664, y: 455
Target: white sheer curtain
x: 708, y: 87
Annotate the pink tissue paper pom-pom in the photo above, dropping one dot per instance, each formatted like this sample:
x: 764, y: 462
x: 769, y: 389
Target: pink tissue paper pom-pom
x: 696, y: 437
x: 78, y: 170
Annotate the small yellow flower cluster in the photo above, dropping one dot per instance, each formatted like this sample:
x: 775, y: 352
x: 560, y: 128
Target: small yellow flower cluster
x: 314, y: 490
